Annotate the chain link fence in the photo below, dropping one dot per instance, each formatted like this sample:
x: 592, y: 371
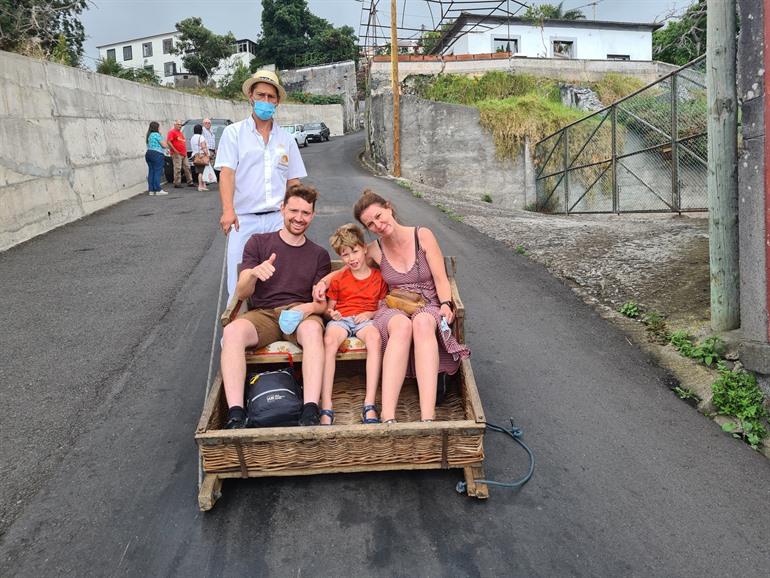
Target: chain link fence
x: 644, y: 153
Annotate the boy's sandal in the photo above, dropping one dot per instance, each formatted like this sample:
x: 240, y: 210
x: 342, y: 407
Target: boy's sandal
x: 369, y: 420
x: 328, y: 413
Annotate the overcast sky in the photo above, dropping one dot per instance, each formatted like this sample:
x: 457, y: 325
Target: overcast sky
x: 109, y: 21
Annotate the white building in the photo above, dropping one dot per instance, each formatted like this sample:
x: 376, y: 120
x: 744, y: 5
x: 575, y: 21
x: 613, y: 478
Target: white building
x: 154, y: 53
x: 580, y: 39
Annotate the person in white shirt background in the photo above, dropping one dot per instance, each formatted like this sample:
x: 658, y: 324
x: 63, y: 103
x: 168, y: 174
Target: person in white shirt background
x: 199, y: 147
x: 258, y: 161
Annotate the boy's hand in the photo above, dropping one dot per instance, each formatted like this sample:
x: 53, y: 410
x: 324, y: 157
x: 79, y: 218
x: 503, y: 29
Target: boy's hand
x: 365, y: 316
x: 334, y: 315
x: 265, y: 269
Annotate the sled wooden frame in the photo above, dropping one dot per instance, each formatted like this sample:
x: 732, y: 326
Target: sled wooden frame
x: 454, y: 440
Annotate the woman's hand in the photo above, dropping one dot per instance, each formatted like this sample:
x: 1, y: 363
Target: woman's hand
x: 447, y: 312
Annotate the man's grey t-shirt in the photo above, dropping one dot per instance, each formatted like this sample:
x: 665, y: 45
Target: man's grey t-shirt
x: 297, y: 269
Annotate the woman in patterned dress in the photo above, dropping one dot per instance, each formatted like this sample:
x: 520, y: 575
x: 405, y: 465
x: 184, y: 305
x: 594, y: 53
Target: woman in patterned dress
x: 410, y: 258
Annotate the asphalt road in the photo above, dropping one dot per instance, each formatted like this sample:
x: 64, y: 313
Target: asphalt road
x: 106, y: 330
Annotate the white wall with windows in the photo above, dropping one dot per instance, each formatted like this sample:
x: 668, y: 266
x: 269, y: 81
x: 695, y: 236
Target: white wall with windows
x: 148, y: 52
x: 154, y: 52
x: 588, y: 40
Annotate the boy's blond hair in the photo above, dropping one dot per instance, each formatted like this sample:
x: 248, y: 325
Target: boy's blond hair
x: 349, y: 235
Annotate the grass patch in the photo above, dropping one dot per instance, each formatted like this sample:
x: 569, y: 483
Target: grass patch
x: 486, y: 198
x: 629, y: 309
x: 449, y: 213
x: 736, y: 394
x: 521, y: 250
x: 656, y: 326
x: 708, y: 352
x: 614, y: 86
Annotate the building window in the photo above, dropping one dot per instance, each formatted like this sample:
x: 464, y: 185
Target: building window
x: 505, y: 45
x: 242, y: 47
x: 618, y: 57
x: 169, y: 68
x: 168, y: 44
x: 111, y: 54
x: 563, y: 49
x: 149, y: 68
x: 127, y: 53
x: 147, y: 49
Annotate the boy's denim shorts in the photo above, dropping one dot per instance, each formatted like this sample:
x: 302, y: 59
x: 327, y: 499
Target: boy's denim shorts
x: 349, y: 325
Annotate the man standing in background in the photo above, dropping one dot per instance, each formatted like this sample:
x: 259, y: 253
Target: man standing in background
x: 177, y: 146
x: 211, y: 139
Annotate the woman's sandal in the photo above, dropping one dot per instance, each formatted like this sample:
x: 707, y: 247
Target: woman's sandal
x: 328, y: 413
x: 387, y: 421
x: 369, y: 420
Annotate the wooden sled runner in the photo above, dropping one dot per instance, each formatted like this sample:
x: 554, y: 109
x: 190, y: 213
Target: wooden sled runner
x: 454, y: 440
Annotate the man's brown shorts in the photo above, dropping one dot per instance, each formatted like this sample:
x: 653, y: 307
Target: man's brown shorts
x: 266, y: 323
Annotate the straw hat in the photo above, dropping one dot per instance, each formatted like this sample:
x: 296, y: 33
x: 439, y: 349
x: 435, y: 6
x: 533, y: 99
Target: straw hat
x: 267, y: 76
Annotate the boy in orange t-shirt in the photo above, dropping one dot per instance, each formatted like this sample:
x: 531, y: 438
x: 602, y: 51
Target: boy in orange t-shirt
x: 353, y: 298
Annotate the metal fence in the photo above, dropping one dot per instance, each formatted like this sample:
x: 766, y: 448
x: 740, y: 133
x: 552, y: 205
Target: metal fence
x: 645, y: 153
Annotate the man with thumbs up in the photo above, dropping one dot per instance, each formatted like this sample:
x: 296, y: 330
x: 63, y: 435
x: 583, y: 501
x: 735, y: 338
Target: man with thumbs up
x: 277, y: 275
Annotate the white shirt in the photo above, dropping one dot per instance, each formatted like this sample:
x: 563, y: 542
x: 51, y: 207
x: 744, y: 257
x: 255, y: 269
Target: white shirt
x: 195, y: 144
x: 261, y: 169
x: 210, y: 138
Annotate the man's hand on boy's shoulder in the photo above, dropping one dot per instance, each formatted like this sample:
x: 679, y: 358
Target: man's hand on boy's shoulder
x: 265, y: 269
x: 365, y: 316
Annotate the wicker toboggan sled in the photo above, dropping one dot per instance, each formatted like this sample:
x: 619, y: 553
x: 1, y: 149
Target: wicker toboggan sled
x: 454, y: 440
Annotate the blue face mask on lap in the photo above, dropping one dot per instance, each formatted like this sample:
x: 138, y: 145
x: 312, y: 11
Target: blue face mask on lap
x: 264, y: 110
x: 289, y: 320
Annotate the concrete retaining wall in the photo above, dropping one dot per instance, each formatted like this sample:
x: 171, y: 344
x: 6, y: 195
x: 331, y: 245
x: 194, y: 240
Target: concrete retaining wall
x: 568, y: 70
x: 444, y: 146
x: 338, y: 79
x: 72, y: 142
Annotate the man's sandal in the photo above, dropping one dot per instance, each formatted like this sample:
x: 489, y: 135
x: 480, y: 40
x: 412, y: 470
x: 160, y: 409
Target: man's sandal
x: 328, y: 413
x: 369, y: 420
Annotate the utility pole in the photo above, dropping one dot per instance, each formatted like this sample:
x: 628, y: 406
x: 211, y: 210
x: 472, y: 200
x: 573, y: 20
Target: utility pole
x: 396, y: 90
x: 722, y: 164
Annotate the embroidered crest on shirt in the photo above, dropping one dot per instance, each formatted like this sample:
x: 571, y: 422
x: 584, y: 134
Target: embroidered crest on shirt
x: 283, y: 157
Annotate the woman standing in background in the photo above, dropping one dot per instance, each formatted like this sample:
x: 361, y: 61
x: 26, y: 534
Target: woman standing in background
x: 154, y: 157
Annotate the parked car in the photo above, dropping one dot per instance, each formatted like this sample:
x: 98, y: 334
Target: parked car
x: 217, y: 127
x: 317, y: 131
x: 298, y: 132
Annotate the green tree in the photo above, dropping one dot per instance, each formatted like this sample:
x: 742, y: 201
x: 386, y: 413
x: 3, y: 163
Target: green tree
x: 201, y: 50
x: 47, y: 28
x: 682, y: 40
x: 113, y: 68
x: 292, y: 36
x: 553, y: 12
x: 230, y: 85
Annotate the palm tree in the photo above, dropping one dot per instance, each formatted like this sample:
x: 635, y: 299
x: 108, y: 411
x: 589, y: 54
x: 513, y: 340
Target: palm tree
x: 551, y: 12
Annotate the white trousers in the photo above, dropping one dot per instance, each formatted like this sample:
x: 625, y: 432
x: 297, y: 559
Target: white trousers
x: 249, y: 225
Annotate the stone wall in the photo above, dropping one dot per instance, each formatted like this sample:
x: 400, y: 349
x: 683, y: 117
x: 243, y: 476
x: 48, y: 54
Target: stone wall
x: 444, y: 146
x: 72, y: 141
x: 337, y: 79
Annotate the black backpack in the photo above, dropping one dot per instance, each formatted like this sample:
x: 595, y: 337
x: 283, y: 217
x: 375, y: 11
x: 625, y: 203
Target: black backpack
x: 273, y: 398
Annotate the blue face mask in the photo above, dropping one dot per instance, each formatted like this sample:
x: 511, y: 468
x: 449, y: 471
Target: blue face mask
x: 264, y: 110
x: 289, y: 320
